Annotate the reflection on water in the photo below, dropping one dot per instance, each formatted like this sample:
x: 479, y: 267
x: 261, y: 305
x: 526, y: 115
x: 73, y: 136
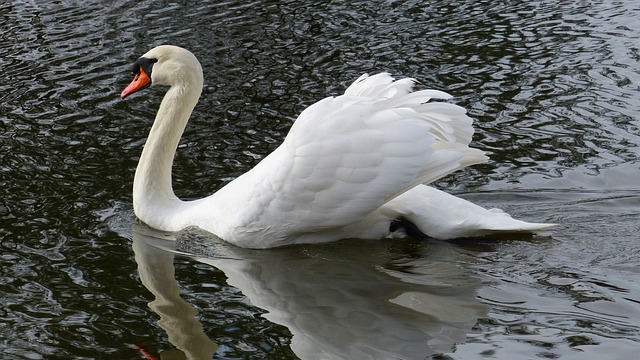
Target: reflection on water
x: 411, y: 299
x: 338, y: 301
x: 177, y: 317
x: 554, y: 87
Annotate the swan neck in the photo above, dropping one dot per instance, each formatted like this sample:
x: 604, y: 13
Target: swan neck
x: 152, y: 188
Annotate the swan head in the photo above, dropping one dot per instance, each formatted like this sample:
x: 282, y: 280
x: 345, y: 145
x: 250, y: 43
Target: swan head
x: 166, y: 65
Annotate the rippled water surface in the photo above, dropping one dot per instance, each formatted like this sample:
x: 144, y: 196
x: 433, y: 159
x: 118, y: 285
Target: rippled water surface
x: 555, y: 91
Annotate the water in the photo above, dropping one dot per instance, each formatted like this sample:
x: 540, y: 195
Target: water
x: 553, y: 86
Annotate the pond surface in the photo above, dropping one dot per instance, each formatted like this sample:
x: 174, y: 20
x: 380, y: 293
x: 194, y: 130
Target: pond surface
x: 554, y: 88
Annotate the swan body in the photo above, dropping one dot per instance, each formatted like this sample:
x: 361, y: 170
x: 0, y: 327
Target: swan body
x: 352, y: 166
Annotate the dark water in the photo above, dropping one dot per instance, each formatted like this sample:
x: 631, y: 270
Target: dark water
x: 554, y: 87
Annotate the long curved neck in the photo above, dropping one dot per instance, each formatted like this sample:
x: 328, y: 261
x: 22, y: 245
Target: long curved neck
x: 152, y: 190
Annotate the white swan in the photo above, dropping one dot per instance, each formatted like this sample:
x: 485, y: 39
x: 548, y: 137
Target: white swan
x: 352, y: 166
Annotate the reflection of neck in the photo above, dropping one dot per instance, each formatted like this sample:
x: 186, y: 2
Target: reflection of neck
x: 177, y: 317
x: 152, y: 189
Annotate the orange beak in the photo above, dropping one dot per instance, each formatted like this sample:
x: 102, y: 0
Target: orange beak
x: 139, y: 82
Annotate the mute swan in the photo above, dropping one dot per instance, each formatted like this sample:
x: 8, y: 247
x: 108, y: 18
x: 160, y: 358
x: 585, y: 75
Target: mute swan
x: 352, y: 166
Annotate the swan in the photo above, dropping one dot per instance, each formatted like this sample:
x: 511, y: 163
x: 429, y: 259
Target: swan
x: 351, y: 166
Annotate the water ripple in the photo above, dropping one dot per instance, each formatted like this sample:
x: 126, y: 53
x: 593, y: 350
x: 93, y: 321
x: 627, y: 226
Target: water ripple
x: 554, y: 90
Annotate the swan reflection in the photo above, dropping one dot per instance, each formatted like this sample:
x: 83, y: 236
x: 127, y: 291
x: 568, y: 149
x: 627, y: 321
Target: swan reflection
x: 346, y: 300
x: 177, y: 317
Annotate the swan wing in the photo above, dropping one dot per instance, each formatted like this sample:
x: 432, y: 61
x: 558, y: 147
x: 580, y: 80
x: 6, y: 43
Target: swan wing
x: 346, y: 156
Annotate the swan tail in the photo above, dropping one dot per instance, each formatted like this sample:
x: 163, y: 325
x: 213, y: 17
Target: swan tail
x: 443, y: 216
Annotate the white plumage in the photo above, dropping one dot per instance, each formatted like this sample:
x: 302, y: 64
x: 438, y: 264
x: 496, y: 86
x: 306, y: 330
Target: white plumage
x: 349, y: 167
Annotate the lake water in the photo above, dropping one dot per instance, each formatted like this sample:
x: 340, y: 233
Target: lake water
x: 554, y: 88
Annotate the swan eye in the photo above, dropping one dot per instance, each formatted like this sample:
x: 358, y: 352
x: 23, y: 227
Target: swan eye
x: 135, y: 68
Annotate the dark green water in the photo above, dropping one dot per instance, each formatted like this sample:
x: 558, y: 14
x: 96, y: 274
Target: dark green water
x: 555, y: 91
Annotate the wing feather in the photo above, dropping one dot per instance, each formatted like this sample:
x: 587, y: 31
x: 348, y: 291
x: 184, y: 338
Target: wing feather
x: 346, y: 156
